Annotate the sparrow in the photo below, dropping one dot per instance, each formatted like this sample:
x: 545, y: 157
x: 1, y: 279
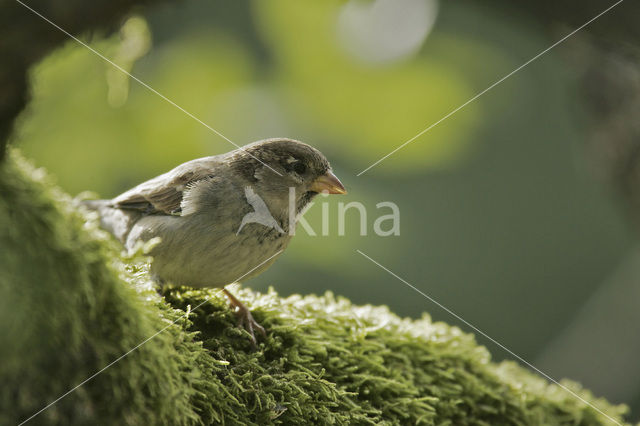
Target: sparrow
x: 222, y: 218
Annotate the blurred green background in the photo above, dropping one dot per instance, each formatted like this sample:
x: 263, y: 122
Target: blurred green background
x: 502, y: 219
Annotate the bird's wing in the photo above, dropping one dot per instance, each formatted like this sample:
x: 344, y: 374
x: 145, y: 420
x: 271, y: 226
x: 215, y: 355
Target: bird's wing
x: 163, y: 194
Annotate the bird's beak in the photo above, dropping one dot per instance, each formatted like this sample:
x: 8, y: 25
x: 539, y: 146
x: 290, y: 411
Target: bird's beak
x: 329, y: 184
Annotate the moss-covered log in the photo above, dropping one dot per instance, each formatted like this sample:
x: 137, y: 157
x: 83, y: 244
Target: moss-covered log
x: 70, y: 305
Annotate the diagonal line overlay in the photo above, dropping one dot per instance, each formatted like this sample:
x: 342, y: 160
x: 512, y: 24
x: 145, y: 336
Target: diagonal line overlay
x: 136, y: 347
x: 142, y: 83
x: 490, y: 87
x: 494, y: 341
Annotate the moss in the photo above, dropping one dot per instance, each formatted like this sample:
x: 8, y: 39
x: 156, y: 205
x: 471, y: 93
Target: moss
x: 70, y: 304
x: 65, y: 313
x: 326, y: 361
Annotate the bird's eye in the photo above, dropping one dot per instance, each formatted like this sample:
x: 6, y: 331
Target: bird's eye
x: 299, y: 167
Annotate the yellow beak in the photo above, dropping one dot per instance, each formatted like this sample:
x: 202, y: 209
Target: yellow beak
x: 329, y: 184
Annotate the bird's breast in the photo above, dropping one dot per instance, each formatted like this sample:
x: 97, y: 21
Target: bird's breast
x: 211, y: 256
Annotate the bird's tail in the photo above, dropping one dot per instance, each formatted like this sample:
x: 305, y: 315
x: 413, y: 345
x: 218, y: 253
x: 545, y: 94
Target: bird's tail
x: 112, y: 219
x: 95, y: 205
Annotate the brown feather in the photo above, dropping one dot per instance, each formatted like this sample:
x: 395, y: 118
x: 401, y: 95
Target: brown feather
x: 163, y: 194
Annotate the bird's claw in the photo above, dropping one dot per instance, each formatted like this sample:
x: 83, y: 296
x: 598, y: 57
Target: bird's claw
x: 245, y: 319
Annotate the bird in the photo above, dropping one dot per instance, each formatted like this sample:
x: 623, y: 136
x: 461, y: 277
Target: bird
x: 221, y: 218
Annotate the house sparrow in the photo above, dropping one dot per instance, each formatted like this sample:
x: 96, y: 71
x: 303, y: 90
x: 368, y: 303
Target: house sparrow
x: 219, y: 217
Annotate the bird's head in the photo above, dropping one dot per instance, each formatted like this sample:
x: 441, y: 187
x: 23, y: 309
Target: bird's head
x: 273, y: 166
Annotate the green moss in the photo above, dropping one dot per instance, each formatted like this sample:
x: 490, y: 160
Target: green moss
x: 70, y: 305
x: 65, y: 313
x: 327, y: 361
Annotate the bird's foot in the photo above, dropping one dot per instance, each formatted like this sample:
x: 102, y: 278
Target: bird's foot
x: 245, y: 319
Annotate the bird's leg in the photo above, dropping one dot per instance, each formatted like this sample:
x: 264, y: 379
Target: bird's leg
x: 245, y: 319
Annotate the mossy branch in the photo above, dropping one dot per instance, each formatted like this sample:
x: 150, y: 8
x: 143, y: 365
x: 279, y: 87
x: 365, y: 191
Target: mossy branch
x: 70, y: 305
